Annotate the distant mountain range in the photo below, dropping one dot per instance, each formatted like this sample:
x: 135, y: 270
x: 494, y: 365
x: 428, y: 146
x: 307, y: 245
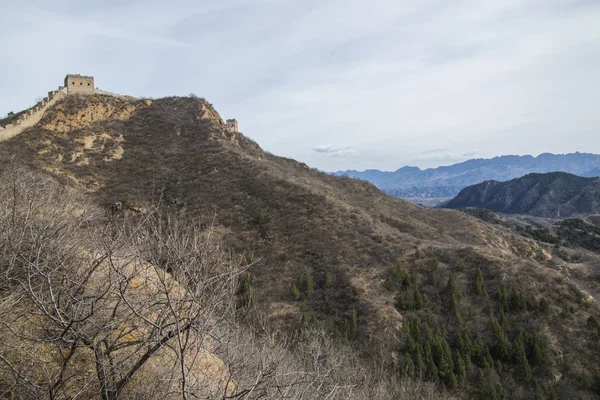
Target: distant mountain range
x: 593, y: 173
x: 552, y: 195
x: 448, y: 181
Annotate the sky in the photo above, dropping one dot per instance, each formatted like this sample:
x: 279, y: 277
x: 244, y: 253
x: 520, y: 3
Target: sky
x: 338, y: 84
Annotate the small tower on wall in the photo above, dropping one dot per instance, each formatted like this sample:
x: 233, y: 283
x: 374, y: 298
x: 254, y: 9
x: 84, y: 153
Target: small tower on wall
x: 232, y: 125
x: 79, y: 84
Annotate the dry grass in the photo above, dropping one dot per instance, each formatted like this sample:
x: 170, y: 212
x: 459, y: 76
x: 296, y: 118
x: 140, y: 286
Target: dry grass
x: 297, y: 221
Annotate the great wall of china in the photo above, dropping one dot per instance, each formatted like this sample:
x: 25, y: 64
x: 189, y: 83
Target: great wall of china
x: 74, y: 84
x: 32, y: 116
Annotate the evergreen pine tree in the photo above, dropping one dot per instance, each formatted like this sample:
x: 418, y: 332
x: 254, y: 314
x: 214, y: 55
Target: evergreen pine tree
x: 478, y: 284
x: 309, y: 286
x: 500, y: 342
x: 328, y: 279
x: 247, y: 294
x: 482, y: 386
x: 435, y: 264
x: 450, y: 381
x: 418, y: 304
x: 503, y: 321
x: 516, y: 301
x: 399, y: 277
x: 503, y: 297
x: 544, y: 306
x: 452, y: 287
x: 500, y: 392
x: 520, y: 358
x: 461, y: 369
x: 354, y: 321
x: 409, y: 368
x: 419, y: 363
x: 295, y: 292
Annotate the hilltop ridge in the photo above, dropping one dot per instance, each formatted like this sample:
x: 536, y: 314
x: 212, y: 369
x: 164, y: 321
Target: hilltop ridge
x: 554, y: 195
x: 354, y: 255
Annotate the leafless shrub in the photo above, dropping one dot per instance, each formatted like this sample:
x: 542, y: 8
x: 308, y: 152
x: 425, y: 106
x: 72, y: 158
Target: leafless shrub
x: 145, y: 308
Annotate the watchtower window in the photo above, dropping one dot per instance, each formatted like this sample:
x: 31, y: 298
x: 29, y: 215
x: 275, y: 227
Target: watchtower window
x: 80, y: 83
x: 73, y: 83
x: 88, y: 84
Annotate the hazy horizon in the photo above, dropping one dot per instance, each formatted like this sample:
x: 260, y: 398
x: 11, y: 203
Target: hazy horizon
x: 470, y: 159
x: 336, y: 84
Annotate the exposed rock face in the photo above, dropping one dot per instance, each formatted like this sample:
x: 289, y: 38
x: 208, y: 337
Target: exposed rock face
x: 206, y: 372
x: 553, y: 195
x: 69, y: 115
x: 208, y: 112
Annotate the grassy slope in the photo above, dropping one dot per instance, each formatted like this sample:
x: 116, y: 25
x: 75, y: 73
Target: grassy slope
x: 298, y: 222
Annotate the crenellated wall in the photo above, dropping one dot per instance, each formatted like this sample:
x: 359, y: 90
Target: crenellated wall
x: 31, y: 116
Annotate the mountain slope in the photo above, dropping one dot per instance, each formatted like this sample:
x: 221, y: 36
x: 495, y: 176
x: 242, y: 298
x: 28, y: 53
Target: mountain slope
x: 554, y: 195
x: 593, y: 173
x: 359, y: 260
x: 447, y: 181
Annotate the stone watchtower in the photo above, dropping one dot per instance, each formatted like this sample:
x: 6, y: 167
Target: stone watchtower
x: 79, y: 84
x: 232, y: 125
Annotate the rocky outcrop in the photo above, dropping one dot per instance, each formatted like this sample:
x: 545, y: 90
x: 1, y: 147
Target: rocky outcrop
x: 68, y: 116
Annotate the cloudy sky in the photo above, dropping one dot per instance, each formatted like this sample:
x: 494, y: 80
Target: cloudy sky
x: 338, y: 84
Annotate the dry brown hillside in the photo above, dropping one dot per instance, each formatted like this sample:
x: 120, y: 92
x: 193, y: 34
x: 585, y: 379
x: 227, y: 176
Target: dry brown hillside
x: 427, y: 288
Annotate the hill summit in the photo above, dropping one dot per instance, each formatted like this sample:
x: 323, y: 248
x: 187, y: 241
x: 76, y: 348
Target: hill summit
x: 554, y: 195
x: 427, y: 293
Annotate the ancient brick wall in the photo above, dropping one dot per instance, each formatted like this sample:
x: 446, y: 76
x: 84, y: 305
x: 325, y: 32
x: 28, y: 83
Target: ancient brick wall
x: 232, y: 125
x: 31, y: 116
x: 79, y: 84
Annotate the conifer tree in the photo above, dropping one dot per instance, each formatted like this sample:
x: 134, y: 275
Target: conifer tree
x: 419, y: 363
x: 520, y: 358
x: 418, y: 299
x: 409, y: 368
x: 435, y: 264
x: 500, y: 342
x: 461, y: 369
x: 503, y: 297
x: 309, y: 285
x: 247, y: 294
x: 452, y: 288
x: 399, y: 277
x: 544, y: 306
x: 478, y: 283
x: 328, y: 279
x: 354, y: 321
x: 482, y: 385
x: 516, y: 301
x: 295, y: 292
x: 450, y: 381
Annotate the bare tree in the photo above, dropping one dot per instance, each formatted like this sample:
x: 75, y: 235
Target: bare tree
x: 123, y: 296
x: 94, y: 305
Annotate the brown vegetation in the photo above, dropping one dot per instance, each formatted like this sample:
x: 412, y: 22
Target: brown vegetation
x: 336, y: 240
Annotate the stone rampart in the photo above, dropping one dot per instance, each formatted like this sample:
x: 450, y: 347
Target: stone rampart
x: 31, y: 116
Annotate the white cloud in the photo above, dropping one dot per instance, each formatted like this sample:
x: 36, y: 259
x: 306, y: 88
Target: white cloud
x: 390, y: 80
x: 329, y: 150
